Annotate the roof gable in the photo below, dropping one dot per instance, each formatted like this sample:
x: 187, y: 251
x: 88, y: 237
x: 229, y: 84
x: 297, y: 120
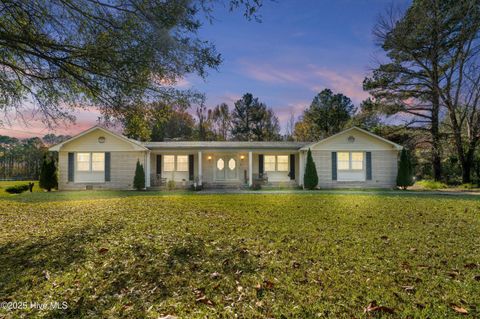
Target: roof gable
x: 88, y: 141
x: 362, y: 140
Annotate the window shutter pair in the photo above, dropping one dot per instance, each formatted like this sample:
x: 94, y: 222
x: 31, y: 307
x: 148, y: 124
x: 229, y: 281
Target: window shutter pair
x: 368, y: 165
x: 71, y: 167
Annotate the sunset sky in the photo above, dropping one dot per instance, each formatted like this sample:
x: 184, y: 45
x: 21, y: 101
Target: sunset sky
x: 299, y: 48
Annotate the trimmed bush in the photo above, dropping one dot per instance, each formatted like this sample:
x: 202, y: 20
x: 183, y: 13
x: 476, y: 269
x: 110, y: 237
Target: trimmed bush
x: 48, y: 174
x: 171, y: 185
x: 310, y: 178
x: 139, y: 179
x: 428, y: 184
x: 17, y: 189
x: 405, y: 170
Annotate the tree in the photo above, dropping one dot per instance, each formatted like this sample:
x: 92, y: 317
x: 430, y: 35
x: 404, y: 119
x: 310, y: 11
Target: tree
x: 221, y: 119
x: 253, y: 121
x: 409, y: 83
x: 158, y: 121
x: 366, y: 116
x: 48, y: 174
x: 460, y: 89
x: 139, y: 178
x: 405, y: 170
x: 310, y: 178
x: 327, y: 115
x: 64, y: 54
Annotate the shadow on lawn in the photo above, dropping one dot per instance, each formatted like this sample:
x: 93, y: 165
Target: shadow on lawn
x: 44, y: 197
x: 25, y: 264
x: 143, y: 275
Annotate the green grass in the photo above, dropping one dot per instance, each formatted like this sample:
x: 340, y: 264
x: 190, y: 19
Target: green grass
x: 428, y: 184
x: 5, y: 184
x: 307, y: 255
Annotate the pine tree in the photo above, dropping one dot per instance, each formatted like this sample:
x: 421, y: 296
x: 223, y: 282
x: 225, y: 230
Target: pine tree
x: 310, y: 179
x: 405, y: 170
x: 48, y: 174
x: 139, y: 179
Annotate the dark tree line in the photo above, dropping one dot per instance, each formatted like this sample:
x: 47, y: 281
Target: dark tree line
x: 22, y: 158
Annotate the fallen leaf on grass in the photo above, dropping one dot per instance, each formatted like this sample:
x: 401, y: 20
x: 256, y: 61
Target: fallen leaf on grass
x: 471, y: 266
x: 268, y: 284
x: 46, y: 274
x: 201, y: 298
x: 459, y: 309
x: 409, y: 288
x: 205, y: 301
x: 373, y: 307
x: 103, y: 250
x: 215, y: 275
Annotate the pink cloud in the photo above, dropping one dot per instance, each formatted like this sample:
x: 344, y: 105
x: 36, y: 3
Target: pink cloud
x: 30, y: 124
x: 348, y: 83
x: 314, y: 78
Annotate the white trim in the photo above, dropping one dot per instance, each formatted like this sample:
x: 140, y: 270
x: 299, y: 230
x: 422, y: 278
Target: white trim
x: 199, y: 168
x: 312, y: 145
x: 250, y: 169
x: 136, y: 144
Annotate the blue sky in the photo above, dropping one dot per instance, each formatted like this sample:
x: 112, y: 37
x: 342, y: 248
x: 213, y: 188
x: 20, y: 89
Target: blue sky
x: 299, y: 48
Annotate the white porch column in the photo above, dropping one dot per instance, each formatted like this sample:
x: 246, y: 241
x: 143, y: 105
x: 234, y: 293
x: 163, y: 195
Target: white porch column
x: 301, y: 168
x: 199, y: 168
x: 147, y: 169
x: 250, y: 169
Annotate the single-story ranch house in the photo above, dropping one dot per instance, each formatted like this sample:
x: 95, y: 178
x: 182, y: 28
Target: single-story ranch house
x: 99, y: 158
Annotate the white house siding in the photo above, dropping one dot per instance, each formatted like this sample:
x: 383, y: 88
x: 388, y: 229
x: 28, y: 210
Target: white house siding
x: 384, y: 170
x: 122, y: 171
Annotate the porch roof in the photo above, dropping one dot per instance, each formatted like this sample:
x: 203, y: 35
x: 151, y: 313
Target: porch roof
x: 223, y: 145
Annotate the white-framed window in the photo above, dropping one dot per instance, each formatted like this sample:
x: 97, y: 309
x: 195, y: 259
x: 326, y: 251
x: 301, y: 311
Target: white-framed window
x: 98, y: 162
x: 347, y: 161
x: 182, y: 163
x: 83, y: 162
x: 168, y: 163
x: 269, y: 163
x: 356, y: 160
x: 282, y: 163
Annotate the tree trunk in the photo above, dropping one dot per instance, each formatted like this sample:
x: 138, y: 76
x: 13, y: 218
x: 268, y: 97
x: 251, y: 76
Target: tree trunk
x: 436, y: 147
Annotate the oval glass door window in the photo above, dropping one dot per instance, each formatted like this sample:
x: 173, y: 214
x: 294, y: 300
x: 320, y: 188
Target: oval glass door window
x: 232, y: 164
x: 220, y: 164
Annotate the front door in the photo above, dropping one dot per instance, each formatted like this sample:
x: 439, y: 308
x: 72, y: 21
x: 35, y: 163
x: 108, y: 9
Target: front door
x: 226, y: 168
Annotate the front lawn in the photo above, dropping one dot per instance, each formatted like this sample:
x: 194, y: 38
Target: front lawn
x: 5, y: 184
x: 147, y: 255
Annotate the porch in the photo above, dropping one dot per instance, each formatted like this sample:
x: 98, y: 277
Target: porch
x: 222, y: 168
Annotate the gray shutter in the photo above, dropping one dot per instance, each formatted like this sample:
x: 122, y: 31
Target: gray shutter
x: 334, y: 166
x: 190, y: 167
x: 159, y: 165
x: 71, y: 166
x: 107, y: 166
x: 369, y: 166
x: 292, y: 166
x: 260, y: 164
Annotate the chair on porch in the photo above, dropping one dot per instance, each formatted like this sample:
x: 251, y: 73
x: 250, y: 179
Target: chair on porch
x: 261, y: 178
x: 158, y: 180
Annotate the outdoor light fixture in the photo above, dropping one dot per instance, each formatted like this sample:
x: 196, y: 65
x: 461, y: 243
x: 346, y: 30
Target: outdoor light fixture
x: 242, y: 157
x: 209, y: 157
